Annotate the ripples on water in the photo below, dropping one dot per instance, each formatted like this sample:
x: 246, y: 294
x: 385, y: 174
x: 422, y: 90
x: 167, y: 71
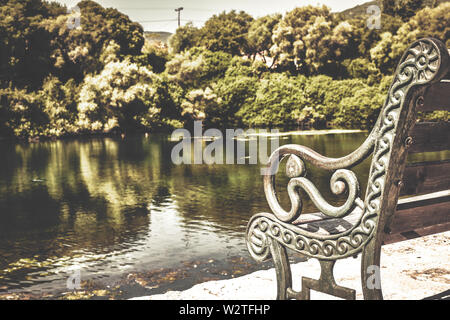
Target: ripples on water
x: 110, y: 206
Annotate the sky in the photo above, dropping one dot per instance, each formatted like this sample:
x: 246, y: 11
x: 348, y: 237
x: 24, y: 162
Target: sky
x: 160, y: 15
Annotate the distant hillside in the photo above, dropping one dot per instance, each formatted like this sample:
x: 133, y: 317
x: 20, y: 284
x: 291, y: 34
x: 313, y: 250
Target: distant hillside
x: 359, y: 10
x: 157, y: 36
x: 362, y: 8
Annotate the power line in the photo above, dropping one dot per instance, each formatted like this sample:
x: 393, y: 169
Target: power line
x: 163, y: 25
x: 164, y: 20
x: 166, y: 8
x: 149, y: 21
x: 142, y: 8
x: 196, y: 20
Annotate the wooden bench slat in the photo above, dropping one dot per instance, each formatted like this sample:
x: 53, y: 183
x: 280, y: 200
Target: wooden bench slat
x: 425, y: 231
x: 430, y: 136
x: 420, y: 217
x: 426, y: 199
x: 437, y: 97
x: 420, y: 212
x: 425, y: 177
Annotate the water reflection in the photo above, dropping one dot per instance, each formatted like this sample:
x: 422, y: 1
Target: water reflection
x: 108, y: 206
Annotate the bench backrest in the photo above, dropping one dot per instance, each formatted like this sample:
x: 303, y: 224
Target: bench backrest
x: 418, y: 85
x: 427, y: 212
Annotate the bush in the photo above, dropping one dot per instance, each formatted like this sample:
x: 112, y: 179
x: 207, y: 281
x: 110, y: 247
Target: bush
x: 361, y: 110
x: 361, y: 68
x: 234, y: 93
x: 197, y: 66
x: 22, y: 113
x: 324, y: 95
x: 277, y: 101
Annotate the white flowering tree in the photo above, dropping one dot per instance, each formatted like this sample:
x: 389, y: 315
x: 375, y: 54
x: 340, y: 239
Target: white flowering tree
x: 289, y: 36
x: 121, y: 95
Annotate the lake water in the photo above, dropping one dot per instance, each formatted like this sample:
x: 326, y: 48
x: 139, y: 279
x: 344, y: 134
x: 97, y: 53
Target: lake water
x: 110, y: 206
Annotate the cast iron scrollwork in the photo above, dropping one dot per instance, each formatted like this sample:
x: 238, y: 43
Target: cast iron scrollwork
x: 419, y: 65
x: 340, y: 181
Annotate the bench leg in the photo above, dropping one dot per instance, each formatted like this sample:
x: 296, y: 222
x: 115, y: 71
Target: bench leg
x: 370, y: 271
x: 325, y: 284
x: 282, y: 268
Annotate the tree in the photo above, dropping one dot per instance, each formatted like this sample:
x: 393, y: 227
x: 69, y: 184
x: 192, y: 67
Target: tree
x: 426, y: 23
x: 36, y: 40
x: 227, y: 32
x: 185, y: 38
x: 389, y: 7
x: 24, y: 45
x: 197, y: 66
x: 366, y: 38
x: 310, y: 41
x: 60, y: 106
x: 403, y: 8
x: 236, y: 90
x: 289, y: 36
x: 121, y: 95
x: 153, y: 56
x: 316, y: 44
x: 328, y: 47
x: 75, y: 52
x: 110, y: 24
x: 408, y: 8
x: 196, y: 102
x: 381, y: 54
x: 260, y: 34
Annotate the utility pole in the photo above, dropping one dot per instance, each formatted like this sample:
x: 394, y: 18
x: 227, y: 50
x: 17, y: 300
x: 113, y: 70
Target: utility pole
x: 179, y: 10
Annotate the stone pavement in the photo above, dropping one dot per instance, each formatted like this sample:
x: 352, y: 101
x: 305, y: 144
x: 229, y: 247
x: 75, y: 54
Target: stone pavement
x: 413, y: 269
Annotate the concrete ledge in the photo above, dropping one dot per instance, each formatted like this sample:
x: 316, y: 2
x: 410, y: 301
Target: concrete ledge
x: 413, y: 269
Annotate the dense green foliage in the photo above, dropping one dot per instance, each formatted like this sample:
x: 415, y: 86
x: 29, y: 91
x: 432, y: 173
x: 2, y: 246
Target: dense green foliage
x: 306, y: 66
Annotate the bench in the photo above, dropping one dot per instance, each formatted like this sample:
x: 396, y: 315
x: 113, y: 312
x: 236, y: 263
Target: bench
x: 362, y: 224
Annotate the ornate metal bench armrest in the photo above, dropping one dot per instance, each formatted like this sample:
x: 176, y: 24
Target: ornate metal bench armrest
x: 295, y: 169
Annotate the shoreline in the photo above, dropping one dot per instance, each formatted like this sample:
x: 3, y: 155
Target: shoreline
x: 308, y: 132
x: 121, y: 135
x: 410, y: 270
x: 152, y: 281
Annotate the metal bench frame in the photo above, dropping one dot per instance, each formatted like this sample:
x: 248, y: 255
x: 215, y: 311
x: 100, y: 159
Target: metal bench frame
x: 423, y: 65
